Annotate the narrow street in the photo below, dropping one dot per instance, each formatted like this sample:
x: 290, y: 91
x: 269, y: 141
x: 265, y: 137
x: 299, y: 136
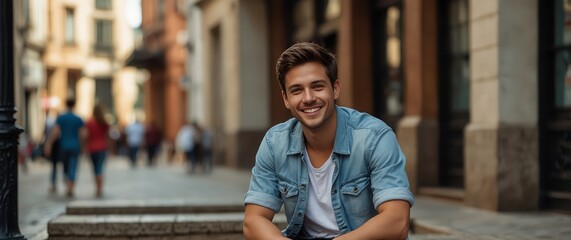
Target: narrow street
x: 164, y: 181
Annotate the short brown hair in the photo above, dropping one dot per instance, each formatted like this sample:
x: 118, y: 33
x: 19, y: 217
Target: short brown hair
x: 305, y: 52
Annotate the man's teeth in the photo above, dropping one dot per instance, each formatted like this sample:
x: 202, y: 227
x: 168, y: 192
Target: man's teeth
x: 310, y: 110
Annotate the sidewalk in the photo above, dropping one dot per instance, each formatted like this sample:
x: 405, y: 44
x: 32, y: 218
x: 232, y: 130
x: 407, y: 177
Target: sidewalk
x: 443, y: 219
x: 470, y: 223
x: 162, y: 182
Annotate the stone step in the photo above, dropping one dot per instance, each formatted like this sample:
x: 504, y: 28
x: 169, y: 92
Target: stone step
x: 215, y: 226
x: 99, y: 207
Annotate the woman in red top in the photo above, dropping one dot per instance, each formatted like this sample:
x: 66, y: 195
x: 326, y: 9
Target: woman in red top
x: 98, y: 130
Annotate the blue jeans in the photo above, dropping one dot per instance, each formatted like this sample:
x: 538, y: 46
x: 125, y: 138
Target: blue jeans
x: 98, y: 158
x: 133, y: 150
x: 70, y: 158
x: 191, y: 157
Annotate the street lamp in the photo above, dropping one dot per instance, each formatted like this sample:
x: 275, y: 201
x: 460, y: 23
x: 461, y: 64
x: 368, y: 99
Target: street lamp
x: 9, y: 132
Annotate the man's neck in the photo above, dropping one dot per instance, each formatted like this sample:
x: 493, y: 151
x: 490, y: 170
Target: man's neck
x: 323, y: 138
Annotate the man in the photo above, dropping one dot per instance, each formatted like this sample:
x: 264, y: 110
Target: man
x: 185, y: 142
x: 134, y: 132
x: 339, y: 173
x: 72, y: 134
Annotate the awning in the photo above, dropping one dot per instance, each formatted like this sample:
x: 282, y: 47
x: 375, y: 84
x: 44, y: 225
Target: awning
x: 144, y: 58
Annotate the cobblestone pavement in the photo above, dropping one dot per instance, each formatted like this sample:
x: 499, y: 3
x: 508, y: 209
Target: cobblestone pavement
x: 164, y: 181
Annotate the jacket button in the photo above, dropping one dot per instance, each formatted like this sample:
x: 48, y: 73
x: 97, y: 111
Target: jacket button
x: 355, y: 190
x: 302, y: 186
x: 334, y: 191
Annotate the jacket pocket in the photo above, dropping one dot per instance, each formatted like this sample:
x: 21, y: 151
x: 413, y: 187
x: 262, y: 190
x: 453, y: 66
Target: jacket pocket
x: 289, y: 193
x: 357, y: 197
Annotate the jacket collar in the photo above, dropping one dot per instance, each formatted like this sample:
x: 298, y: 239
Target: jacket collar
x: 343, y: 137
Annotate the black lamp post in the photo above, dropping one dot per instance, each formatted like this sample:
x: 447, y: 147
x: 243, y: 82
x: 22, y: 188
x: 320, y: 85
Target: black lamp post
x: 9, y: 132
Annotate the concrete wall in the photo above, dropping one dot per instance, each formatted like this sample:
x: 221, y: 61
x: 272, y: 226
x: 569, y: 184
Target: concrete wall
x: 236, y: 77
x: 501, y: 157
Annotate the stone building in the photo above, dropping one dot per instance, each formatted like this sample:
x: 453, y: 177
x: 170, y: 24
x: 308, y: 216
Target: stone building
x: 88, y: 42
x: 477, y: 91
x: 163, y: 55
x: 30, y: 36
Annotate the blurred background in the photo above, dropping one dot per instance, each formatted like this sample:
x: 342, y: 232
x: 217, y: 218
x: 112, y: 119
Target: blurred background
x: 478, y: 92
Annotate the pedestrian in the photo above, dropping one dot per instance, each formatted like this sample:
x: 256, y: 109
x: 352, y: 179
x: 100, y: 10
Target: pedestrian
x: 197, y: 141
x: 206, y: 150
x: 134, y: 132
x: 71, y: 131
x: 185, y: 143
x: 153, y: 139
x: 97, y: 138
x: 338, y: 172
x: 54, y: 156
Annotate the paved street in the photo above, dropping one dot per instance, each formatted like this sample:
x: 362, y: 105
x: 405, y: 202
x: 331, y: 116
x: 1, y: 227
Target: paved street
x: 165, y: 181
x: 171, y: 182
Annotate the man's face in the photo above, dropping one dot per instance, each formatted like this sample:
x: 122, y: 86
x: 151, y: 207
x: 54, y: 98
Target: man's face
x: 309, y: 95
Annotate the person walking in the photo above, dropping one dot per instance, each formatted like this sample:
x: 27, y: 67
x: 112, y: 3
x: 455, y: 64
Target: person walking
x: 339, y: 173
x: 97, y: 136
x: 206, y: 151
x: 134, y: 132
x: 54, y: 157
x: 185, y: 143
x: 153, y: 139
x: 71, y: 131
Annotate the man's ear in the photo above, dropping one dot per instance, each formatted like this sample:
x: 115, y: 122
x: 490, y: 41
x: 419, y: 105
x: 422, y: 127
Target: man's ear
x: 284, y: 97
x: 336, y: 89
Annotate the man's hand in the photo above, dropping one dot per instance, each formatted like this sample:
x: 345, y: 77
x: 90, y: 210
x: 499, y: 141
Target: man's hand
x: 258, y: 223
x: 392, y: 222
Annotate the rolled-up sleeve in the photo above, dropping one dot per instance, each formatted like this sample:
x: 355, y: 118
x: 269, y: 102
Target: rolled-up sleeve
x: 388, y: 176
x: 263, y: 190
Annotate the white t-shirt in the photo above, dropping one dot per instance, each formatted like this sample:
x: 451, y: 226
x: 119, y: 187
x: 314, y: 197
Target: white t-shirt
x: 185, y: 139
x: 135, y: 132
x: 319, y: 221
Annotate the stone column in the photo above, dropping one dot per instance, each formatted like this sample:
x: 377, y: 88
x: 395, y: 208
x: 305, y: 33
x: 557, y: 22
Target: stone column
x: 501, y: 150
x: 354, y: 55
x: 417, y: 132
x: 9, y: 228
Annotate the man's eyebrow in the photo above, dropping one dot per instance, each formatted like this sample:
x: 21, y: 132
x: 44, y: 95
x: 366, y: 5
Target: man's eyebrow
x: 318, y: 81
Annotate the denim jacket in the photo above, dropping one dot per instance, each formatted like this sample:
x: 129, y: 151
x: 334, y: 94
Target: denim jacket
x: 369, y: 170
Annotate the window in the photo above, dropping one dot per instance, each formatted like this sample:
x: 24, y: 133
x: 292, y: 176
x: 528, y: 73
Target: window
x: 69, y: 26
x: 103, y: 36
x: 459, y: 68
x: 388, y: 84
x: 563, y: 55
x: 103, y: 4
x: 454, y: 92
x: 555, y: 103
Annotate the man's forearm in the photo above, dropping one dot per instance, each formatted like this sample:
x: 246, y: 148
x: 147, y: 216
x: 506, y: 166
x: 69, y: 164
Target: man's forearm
x: 390, y: 223
x: 258, y: 227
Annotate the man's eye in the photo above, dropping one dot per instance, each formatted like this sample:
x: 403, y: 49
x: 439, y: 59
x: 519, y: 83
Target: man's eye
x: 295, y: 91
x: 318, y: 87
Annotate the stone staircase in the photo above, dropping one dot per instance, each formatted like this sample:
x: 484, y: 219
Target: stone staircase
x: 173, y: 219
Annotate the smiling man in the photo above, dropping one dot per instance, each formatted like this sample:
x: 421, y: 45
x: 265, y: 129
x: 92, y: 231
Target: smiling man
x: 338, y: 173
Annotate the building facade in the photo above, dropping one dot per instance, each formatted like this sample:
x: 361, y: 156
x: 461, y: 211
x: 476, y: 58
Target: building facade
x: 163, y: 55
x: 88, y: 43
x: 475, y: 90
x: 30, y: 35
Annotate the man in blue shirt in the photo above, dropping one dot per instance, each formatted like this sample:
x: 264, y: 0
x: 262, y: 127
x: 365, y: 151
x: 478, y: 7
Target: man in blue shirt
x: 72, y: 134
x: 338, y: 173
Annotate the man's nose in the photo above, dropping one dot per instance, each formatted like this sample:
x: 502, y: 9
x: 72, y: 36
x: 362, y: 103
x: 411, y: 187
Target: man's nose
x: 308, y: 96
